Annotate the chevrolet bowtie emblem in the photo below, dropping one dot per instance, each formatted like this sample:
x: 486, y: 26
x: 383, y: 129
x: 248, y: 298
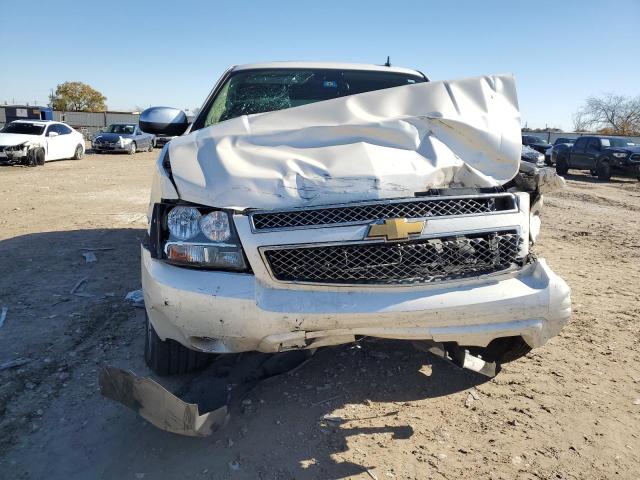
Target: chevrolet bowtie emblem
x: 395, y: 229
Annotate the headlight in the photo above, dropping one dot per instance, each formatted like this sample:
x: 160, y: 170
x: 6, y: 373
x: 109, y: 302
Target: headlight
x: 16, y: 148
x: 619, y: 154
x: 183, y: 222
x: 197, y: 237
x: 125, y: 141
x: 215, y: 226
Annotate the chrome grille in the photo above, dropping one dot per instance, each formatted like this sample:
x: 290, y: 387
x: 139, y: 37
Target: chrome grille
x: 367, y: 212
x: 421, y: 261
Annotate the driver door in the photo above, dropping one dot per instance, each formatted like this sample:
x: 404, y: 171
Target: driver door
x: 591, y: 153
x: 55, y: 143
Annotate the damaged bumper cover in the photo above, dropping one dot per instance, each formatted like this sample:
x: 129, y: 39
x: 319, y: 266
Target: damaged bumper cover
x: 223, y: 312
x: 15, y: 152
x: 157, y: 405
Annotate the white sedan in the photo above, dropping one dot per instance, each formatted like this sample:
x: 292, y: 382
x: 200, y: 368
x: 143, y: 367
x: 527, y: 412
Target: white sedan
x: 33, y: 142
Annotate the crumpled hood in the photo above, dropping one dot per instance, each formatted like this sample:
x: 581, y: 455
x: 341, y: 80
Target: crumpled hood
x: 11, y: 139
x: 384, y: 144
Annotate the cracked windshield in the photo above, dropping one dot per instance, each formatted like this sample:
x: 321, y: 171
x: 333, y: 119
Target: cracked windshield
x: 262, y: 91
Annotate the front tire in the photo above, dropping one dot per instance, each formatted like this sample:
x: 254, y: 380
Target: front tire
x: 604, y: 171
x: 562, y: 166
x: 133, y: 149
x: 151, y: 147
x: 78, y: 154
x: 169, y: 357
x: 35, y: 157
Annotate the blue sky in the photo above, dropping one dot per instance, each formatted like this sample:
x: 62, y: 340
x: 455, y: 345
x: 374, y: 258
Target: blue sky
x: 141, y: 53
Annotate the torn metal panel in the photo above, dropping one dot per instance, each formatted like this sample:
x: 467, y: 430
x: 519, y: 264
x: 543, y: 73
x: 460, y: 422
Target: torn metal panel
x: 157, y: 405
x: 535, y: 179
x: 459, y: 357
x: 376, y: 145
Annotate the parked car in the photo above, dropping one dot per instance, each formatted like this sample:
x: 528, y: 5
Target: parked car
x: 33, y: 142
x: 549, y: 155
x: 537, y: 143
x: 275, y: 228
x: 123, y: 137
x: 532, y: 156
x: 162, y: 140
x: 601, y: 155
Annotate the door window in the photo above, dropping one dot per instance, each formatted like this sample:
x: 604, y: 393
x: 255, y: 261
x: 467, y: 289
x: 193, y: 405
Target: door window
x: 63, y: 129
x: 52, y: 128
x: 580, y: 144
x: 594, y: 144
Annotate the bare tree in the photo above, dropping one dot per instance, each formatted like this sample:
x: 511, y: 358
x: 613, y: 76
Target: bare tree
x: 613, y: 114
x: 580, y: 124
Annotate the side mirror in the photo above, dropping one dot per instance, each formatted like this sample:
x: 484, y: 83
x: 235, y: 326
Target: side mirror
x: 52, y: 134
x: 164, y: 121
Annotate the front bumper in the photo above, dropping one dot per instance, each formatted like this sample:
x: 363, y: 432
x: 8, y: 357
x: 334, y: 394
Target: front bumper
x: 11, y: 155
x: 627, y: 169
x: 229, y: 312
x: 110, y: 147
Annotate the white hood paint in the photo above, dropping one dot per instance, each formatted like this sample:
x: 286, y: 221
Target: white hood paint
x: 382, y: 144
x: 11, y: 139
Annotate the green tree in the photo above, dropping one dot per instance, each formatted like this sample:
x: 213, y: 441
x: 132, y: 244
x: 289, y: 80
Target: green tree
x: 77, y: 97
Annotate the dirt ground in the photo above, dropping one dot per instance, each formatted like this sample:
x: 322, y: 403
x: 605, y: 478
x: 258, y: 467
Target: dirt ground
x: 569, y: 410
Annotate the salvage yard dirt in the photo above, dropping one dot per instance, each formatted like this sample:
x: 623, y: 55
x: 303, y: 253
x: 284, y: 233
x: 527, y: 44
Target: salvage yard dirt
x: 381, y: 410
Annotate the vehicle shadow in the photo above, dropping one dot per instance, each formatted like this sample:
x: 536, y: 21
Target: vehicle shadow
x: 283, y: 421
x: 587, y: 178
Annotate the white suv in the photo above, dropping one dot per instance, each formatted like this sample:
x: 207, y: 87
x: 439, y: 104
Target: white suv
x: 310, y: 204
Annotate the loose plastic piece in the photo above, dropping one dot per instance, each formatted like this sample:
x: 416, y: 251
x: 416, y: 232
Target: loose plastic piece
x: 136, y: 297
x: 157, y: 405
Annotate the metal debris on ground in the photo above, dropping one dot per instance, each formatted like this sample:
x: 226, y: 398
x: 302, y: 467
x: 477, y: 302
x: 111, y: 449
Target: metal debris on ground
x: 136, y: 297
x: 372, y: 475
x: 332, y: 419
x: 78, y: 284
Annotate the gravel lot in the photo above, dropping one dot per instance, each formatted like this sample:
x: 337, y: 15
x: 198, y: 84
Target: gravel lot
x: 568, y: 410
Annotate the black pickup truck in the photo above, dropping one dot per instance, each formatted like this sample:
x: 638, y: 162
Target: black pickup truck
x: 602, y: 156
